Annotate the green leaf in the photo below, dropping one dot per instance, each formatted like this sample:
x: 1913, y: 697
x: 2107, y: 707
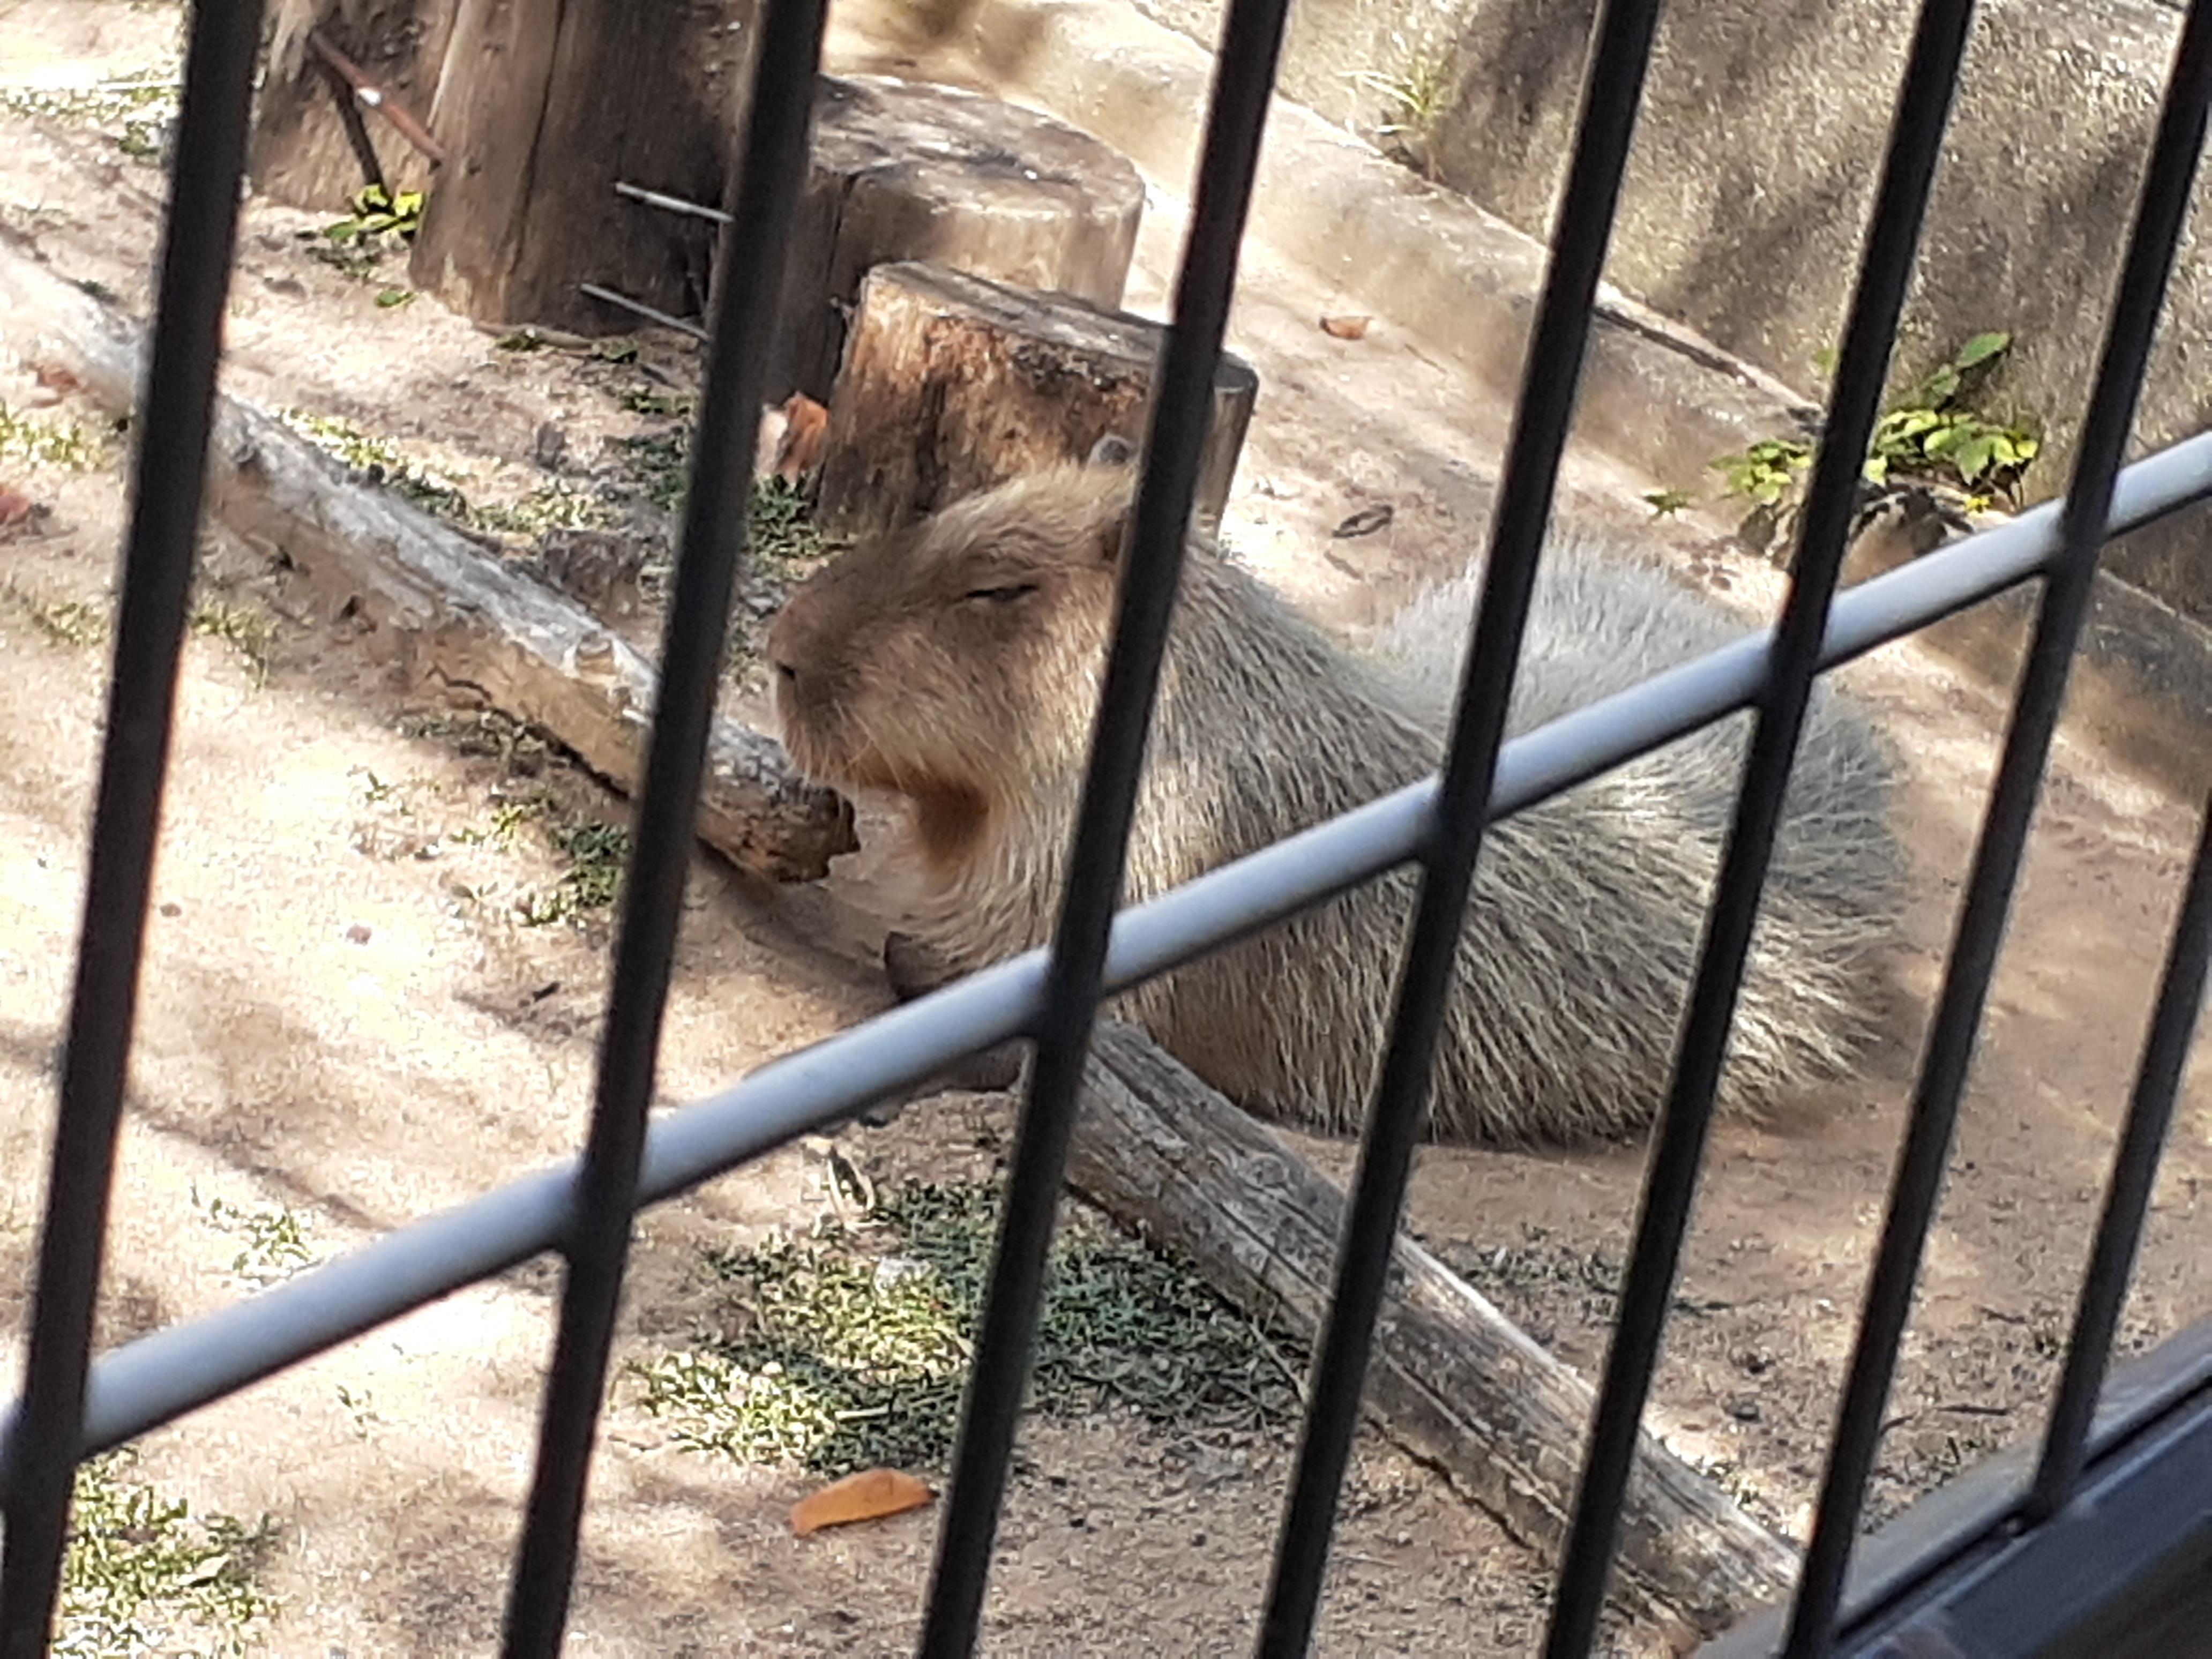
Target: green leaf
x: 1877, y: 469
x: 1939, y: 388
x: 1982, y: 348
x: 1972, y: 456
x: 1826, y: 359
x: 1944, y: 439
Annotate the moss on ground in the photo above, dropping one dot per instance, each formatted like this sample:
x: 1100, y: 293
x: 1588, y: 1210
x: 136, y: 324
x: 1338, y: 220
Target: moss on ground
x: 846, y: 1349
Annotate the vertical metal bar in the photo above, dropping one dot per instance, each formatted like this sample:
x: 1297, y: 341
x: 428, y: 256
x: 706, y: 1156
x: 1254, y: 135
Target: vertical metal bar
x: 1612, y: 90
x: 2127, y: 1199
x: 1243, y: 81
x: 714, y: 525
x: 2160, y: 214
x: 1923, y: 112
x: 175, y: 410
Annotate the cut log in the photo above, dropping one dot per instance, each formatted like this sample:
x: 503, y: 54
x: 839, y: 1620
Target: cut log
x: 1452, y: 1380
x: 456, y: 616
x: 306, y: 150
x: 953, y: 384
x: 906, y: 170
x: 542, y: 106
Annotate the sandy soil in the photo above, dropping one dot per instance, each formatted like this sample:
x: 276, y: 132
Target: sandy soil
x: 344, y: 1017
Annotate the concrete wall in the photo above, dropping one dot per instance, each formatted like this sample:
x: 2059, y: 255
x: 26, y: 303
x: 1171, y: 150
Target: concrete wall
x: 1756, y: 158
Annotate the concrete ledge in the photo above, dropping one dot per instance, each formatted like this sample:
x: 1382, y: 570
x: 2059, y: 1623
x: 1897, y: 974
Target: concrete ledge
x: 1460, y: 280
x: 1655, y: 394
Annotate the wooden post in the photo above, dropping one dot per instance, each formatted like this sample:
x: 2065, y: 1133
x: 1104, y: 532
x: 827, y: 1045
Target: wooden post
x: 907, y: 170
x: 308, y: 131
x: 952, y: 384
x: 542, y: 106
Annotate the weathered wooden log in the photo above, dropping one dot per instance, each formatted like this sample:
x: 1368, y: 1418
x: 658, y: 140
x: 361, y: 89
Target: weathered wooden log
x: 542, y: 106
x: 1452, y: 1380
x: 308, y: 128
x: 454, y: 615
x: 908, y: 170
x: 952, y: 384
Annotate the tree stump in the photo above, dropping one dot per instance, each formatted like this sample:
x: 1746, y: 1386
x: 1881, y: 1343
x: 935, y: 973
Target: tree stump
x: 309, y: 133
x: 542, y: 106
x: 953, y: 384
x: 903, y: 170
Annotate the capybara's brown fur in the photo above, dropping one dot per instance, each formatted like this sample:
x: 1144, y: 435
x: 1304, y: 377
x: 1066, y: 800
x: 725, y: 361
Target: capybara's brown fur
x: 957, y: 665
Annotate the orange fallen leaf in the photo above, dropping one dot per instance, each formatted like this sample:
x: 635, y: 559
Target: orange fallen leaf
x: 868, y: 1496
x: 55, y: 378
x: 1345, y: 328
x: 15, y: 507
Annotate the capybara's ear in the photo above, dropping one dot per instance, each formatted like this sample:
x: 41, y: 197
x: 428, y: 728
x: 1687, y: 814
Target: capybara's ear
x: 1112, y: 526
x: 1112, y: 450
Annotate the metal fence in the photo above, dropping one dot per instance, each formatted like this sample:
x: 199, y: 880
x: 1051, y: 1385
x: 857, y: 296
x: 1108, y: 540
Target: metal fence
x: 2116, y: 1499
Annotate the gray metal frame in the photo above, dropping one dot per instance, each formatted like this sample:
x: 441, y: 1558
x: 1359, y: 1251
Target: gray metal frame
x: 2133, y: 1467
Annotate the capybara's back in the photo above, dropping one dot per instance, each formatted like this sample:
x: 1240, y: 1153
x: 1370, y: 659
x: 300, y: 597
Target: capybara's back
x: 958, y: 664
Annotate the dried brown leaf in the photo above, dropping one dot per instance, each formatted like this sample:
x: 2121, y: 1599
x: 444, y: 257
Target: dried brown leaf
x: 868, y: 1496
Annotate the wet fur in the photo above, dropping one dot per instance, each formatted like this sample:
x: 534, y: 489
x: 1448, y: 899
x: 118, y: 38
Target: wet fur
x: 958, y: 664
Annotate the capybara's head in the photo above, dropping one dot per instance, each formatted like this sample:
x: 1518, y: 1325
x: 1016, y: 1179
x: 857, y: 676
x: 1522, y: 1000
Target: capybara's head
x: 958, y: 662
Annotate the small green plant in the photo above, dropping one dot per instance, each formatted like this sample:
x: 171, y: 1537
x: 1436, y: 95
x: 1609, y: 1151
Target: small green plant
x: 1665, y: 503
x: 593, y: 881
x: 661, y: 406
x: 275, y: 1243
x: 357, y: 243
x: 386, y: 299
x: 144, y: 1576
x: 72, y: 622
x: 507, y: 818
x: 135, y: 112
x: 377, y: 212
x: 1932, y: 437
x: 1416, y: 101
x: 846, y: 1350
x: 780, y: 531
x: 249, y: 631
x: 1934, y: 431
x: 1764, y: 472
x: 32, y: 440
x: 555, y: 505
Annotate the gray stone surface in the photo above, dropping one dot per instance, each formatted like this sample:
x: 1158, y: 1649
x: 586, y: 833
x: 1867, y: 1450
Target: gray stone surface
x: 1756, y: 159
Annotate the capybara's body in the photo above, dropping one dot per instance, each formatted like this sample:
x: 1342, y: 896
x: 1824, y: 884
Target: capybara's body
x: 958, y: 665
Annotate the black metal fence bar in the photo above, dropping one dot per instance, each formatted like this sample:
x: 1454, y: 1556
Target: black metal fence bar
x: 1152, y: 566
x: 174, y: 415
x: 715, y: 502
x: 2127, y: 1198
x: 2162, y: 209
x: 1923, y: 106
x: 1612, y: 90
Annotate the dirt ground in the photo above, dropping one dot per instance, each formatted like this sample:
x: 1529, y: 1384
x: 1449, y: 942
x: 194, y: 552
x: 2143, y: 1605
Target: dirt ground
x: 346, y: 1019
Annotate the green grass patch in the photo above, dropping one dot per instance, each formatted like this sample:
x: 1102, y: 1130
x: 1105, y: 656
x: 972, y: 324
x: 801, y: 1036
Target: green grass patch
x: 132, y: 111
x: 71, y: 623
x: 248, y: 630
x: 41, y: 441
x: 556, y: 505
x: 596, y: 853
x: 272, y: 1245
x: 846, y: 1349
x: 145, y: 1575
